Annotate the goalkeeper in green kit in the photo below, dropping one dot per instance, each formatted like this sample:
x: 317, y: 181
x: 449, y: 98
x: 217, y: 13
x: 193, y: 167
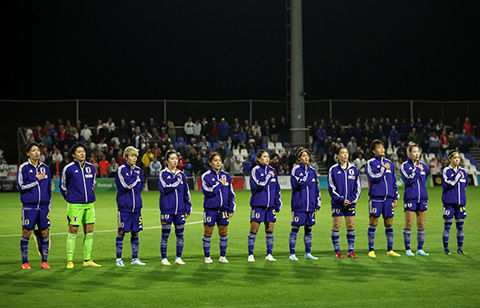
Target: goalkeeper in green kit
x: 77, y: 183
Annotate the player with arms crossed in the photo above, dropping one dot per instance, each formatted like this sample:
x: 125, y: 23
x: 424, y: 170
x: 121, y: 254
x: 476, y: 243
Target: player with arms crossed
x: 344, y: 187
x: 454, y: 199
x: 34, y: 182
x: 265, y: 203
x: 175, y: 206
x: 129, y: 181
x: 383, y: 194
x: 305, y: 202
x: 77, y: 185
x: 218, y: 204
x: 414, y: 175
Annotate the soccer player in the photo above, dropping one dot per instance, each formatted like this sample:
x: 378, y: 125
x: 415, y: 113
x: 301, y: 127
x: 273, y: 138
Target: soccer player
x: 77, y: 184
x: 454, y: 183
x: 344, y: 188
x: 265, y: 203
x: 414, y: 175
x: 305, y: 202
x: 175, y: 204
x: 383, y: 194
x: 218, y: 204
x: 129, y: 182
x: 34, y: 182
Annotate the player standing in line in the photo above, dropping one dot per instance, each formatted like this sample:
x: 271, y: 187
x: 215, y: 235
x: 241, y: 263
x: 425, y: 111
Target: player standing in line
x: 265, y: 203
x: 77, y: 185
x: 383, y: 194
x: 414, y: 175
x: 129, y: 182
x: 305, y: 202
x: 345, y: 188
x: 34, y: 182
x: 175, y: 205
x: 218, y: 204
x: 454, y: 182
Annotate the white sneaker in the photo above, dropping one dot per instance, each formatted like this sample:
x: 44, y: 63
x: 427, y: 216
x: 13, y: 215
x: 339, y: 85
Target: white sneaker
x: 119, y: 262
x: 270, y: 258
x: 137, y: 261
x: 165, y: 261
x: 179, y: 261
x: 251, y: 258
x: 222, y: 260
x: 208, y: 260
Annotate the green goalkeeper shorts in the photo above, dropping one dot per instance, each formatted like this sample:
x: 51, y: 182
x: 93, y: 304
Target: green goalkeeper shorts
x: 80, y: 214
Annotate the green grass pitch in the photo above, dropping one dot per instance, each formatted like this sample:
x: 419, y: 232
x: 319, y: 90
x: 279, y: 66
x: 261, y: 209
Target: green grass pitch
x: 433, y: 281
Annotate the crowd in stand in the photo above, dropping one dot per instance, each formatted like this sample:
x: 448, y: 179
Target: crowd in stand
x: 196, y: 139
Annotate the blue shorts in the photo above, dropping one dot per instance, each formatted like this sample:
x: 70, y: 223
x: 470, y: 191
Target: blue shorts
x: 259, y: 215
x: 35, y: 216
x: 303, y: 218
x: 415, y: 206
x: 340, y: 210
x: 449, y: 211
x: 212, y: 216
x: 130, y: 222
x: 385, y: 208
x: 177, y: 219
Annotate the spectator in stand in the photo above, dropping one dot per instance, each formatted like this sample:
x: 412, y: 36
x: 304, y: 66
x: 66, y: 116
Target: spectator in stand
x: 274, y: 130
x: 188, y: 128
x: 339, y: 144
x: 237, y: 167
x: 204, y: 145
x: 468, y: 127
x: 453, y: 141
x: 147, y: 159
x: 205, y: 126
x: 213, y: 130
x: 402, y: 151
x: 102, y: 145
x: 112, y: 168
x: 171, y: 131
x: 110, y: 125
x: 352, y: 146
x: 221, y: 150
x: 223, y: 129
x: 394, y: 136
x: 188, y: 168
x: 283, y: 129
x: 435, y: 166
x: 464, y: 142
x: 228, y: 162
x: 444, y: 142
x: 414, y: 136
x: 155, y: 167
x: 242, y: 138
x: 434, y: 142
x: 265, y: 132
x: 181, y: 149
x: 103, y: 165
x: 197, y: 130
x: 146, y: 135
x: 457, y: 126
x: 360, y: 163
x: 256, y: 129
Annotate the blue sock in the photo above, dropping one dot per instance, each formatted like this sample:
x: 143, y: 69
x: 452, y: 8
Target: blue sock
x: 206, y: 245
x: 251, y: 242
x: 45, y: 248
x: 307, y: 239
x: 24, y: 249
x: 292, y: 239
x: 371, y: 237
x: 446, y: 232
x: 350, y: 240
x: 179, y: 233
x: 407, y: 233
x: 164, y: 241
x: 336, y: 241
x: 269, y: 242
x: 119, y: 245
x: 134, y: 242
x: 389, y: 235
x: 459, y: 223
x: 39, y: 240
x: 420, y: 238
x: 223, y: 245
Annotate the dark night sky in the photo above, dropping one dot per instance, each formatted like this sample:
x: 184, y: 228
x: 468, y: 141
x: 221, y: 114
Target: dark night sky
x: 236, y: 49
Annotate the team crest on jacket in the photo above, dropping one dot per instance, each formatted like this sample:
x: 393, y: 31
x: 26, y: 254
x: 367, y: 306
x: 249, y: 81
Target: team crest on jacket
x: 351, y: 171
x: 88, y: 169
x: 42, y: 170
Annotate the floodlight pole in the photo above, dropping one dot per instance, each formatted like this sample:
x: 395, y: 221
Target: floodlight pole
x: 297, y: 100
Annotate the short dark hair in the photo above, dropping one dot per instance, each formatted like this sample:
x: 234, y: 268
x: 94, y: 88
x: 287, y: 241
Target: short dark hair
x: 260, y: 153
x: 170, y: 152
x: 212, y: 156
x: 76, y: 146
x: 451, y: 154
x: 30, y: 146
x: 376, y: 142
x: 300, y: 150
x: 340, y: 148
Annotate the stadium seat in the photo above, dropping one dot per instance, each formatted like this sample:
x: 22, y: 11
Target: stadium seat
x: 236, y: 152
x: 180, y: 139
x: 271, y: 145
x: 244, y: 152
